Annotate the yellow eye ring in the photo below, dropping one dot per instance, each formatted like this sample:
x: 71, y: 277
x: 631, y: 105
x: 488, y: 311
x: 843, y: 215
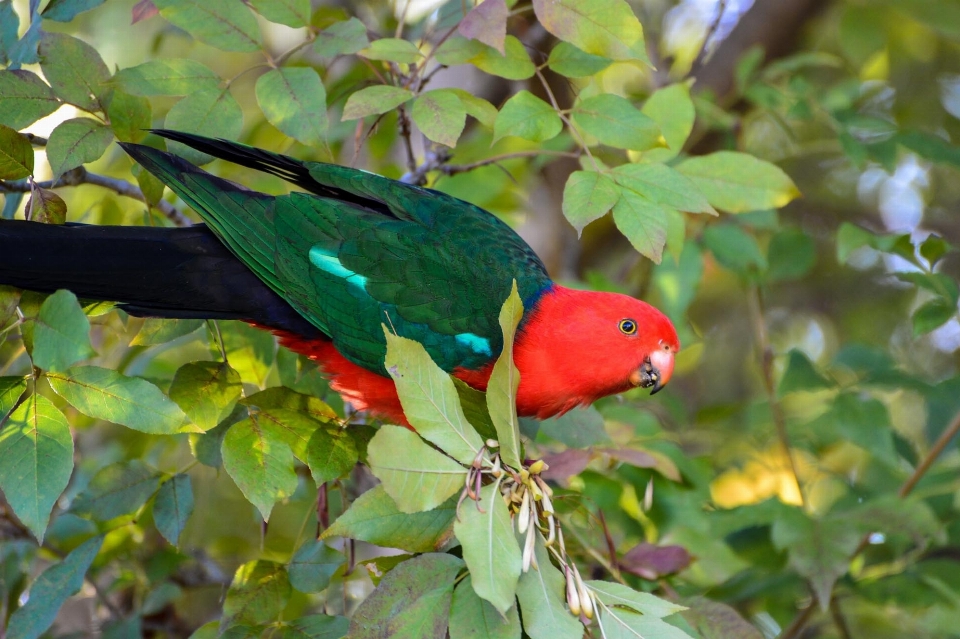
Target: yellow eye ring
x: 628, y: 327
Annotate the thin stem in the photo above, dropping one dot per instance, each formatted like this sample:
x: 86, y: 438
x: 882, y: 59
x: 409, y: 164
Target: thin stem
x: 766, y: 366
x: 838, y: 619
x: 566, y: 120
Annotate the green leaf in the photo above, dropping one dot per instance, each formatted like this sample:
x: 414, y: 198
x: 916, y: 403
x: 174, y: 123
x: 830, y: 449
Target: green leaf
x: 616, y: 122
x: 9, y: 300
x: 800, y: 375
x: 24, y: 99
x: 672, y: 109
x: 129, y: 116
x: 643, y: 222
x: 11, y: 390
x: 258, y: 594
x: 374, y: 100
x: 939, y: 284
x: 61, y: 334
x: 374, y: 517
x: 293, y: 100
x: 440, y: 115
x: 260, y: 463
x: 414, y: 474
x: 166, y: 76
x: 316, y: 627
x: 9, y: 29
x: 282, y: 397
x: 341, y: 38
x: 541, y: 596
x: 623, y: 624
x: 484, y: 112
x: 513, y: 64
x: 606, y: 28
x: 67, y: 10
x: 412, y: 601
x: 933, y: 248
x: 206, y: 392
x: 312, y: 566
x: 527, y: 116
x: 503, y: 384
x: 570, y: 61
x: 330, y: 453
x: 473, y: 618
x: 46, y: 207
x: 16, y: 155
x: 490, y: 548
x: 738, y: 182
x: 588, y: 196
x: 76, y: 142
x: 36, y: 455
x: 161, y: 331
x: 129, y: 401
x: 614, y: 594
x: 51, y: 590
x: 74, y: 69
x: 578, y: 428
x: 662, y: 185
x: 293, y: 13
x: 734, y: 248
x: 790, y: 255
x: 173, y: 507
x: 220, y: 23
x: 118, y: 489
x: 294, y: 428
x: 392, y: 50
x: 715, y: 620
x: 202, y: 112
x: 486, y: 22
x: 933, y: 315
x: 429, y: 399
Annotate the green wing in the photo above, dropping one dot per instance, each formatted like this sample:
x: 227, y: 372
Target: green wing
x: 360, y: 250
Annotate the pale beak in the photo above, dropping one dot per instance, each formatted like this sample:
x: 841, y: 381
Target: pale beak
x: 655, y: 371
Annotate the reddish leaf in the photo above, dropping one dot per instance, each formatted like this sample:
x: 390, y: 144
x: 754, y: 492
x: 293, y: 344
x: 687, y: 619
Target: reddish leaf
x: 652, y: 562
x: 566, y: 464
x: 632, y: 456
x: 46, y: 207
x: 487, y: 22
x: 143, y: 10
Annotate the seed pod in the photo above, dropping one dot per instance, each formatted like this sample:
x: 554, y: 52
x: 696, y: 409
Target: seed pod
x: 537, y: 493
x: 552, y: 535
x: 528, y: 548
x: 573, y: 597
x: 523, y: 515
x: 586, y: 603
x: 545, y: 504
x: 544, y: 486
x: 524, y: 475
x: 537, y: 467
x: 492, y: 443
x: 648, y: 496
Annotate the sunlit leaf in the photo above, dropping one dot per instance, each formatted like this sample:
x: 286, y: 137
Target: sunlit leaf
x: 219, y: 23
x: 606, y: 28
x: 415, y: 475
x: 393, y: 50
x: 490, y: 548
x: 36, y: 455
x: 130, y: 117
x: 487, y: 22
x: 374, y: 100
x: 588, y: 196
x: 662, y: 185
x: 51, y: 590
x: 341, y: 38
x: 129, y: 401
x: 76, y: 142
x: 623, y: 624
x: 374, y: 517
x: 260, y: 463
x: 61, y: 333
x: 614, y: 594
x: 616, y: 122
x: 258, y: 593
x: 738, y: 182
x: 293, y: 100
x: 412, y: 601
x: 570, y: 61
x: 206, y: 392
x: 503, y: 384
x: 173, y: 507
x: 16, y: 155
x: 293, y: 13
x: 74, y: 69
x: 118, y: 489
x: 46, y: 207
x: 312, y: 566
x: 166, y: 76
x: 526, y: 116
x: 330, y: 453
x: 440, y: 115
x: 672, y: 109
x: 202, y: 112
x: 160, y: 331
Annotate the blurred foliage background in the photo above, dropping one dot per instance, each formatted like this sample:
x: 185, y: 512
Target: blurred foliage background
x: 798, y: 478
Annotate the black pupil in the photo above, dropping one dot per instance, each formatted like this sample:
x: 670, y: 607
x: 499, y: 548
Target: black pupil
x: 627, y: 326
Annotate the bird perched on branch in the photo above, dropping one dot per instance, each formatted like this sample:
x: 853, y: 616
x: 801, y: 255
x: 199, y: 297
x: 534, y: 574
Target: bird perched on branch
x: 324, y: 268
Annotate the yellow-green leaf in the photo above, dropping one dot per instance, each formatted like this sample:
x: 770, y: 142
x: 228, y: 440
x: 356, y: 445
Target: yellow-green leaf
x: 527, y: 116
x: 260, y: 463
x: 504, y: 380
x: 606, y: 28
x: 293, y: 100
x: 374, y: 100
x: 16, y: 155
x: 738, y: 182
x: 588, y: 196
x: 224, y: 24
x: 76, y: 142
x: 440, y: 115
x: 616, y: 122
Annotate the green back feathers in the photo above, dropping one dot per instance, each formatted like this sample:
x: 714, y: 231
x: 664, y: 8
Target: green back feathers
x: 359, y: 250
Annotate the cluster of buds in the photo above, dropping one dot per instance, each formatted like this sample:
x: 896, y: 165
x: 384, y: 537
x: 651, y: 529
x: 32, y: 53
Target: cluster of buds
x: 530, y: 501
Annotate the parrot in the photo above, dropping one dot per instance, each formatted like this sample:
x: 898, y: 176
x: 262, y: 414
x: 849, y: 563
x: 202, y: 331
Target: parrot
x: 326, y: 266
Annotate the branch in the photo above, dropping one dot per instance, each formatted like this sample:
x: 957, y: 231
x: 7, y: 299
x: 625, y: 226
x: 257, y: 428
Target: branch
x: 80, y: 176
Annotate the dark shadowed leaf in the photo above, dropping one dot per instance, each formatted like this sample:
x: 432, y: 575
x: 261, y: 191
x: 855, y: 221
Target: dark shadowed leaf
x: 118, y: 489
x: 51, y: 590
x: 282, y: 397
x: 933, y: 315
x: 74, y: 69
x: 173, y: 507
x: 293, y: 100
x: 220, y: 23
x: 413, y: 600
x: 206, y: 392
x: 161, y: 331
x: 801, y: 375
x: 258, y: 594
x: 24, y: 99
x: 11, y: 389
x: 260, y: 462
x: 166, y: 76
x: 487, y: 22
x: 330, y: 453
x: 16, y: 155
x: 46, y: 207
x: 374, y: 517
x: 61, y: 333
x: 715, y: 620
x: 128, y: 401
x: 734, y: 248
x: 312, y: 566
x: 9, y: 300
x: 562, y: 466
x: 652, y: 562
x: 341, y: 38
x: 790, y: 255
x: 315, y: 627
x: 76, y: 142
x: 474, y: 618
x: 67, y: 10
x: 570, y: 61
x: 36, y: 455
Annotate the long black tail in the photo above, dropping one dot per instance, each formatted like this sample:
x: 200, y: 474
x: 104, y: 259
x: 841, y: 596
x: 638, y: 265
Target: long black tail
x: 153, y: 272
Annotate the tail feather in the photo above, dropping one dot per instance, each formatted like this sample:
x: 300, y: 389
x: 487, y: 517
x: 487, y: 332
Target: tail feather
x: 152, y: 272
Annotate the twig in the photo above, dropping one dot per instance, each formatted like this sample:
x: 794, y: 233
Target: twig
x: 703, y: 55
x: 80, y: 176
x: 798, y: 623
x: 766, y: 365
x: 565, y: 119
x: 838, y: 619
x: 407, y: 142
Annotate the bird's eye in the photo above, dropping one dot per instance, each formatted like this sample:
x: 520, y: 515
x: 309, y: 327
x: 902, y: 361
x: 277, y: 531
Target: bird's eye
x: 628, y: 326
